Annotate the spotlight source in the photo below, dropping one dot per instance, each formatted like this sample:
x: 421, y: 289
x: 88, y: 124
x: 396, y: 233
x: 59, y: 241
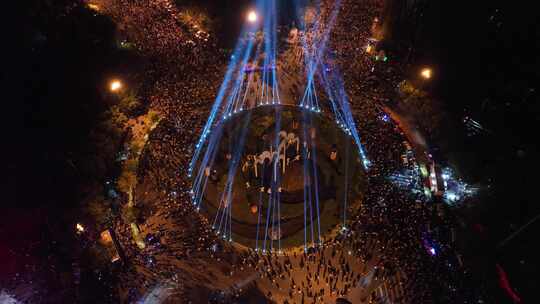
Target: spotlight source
x: 252, y: 17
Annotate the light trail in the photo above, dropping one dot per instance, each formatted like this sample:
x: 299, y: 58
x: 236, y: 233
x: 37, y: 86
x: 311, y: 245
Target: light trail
x: 346, y: 186
x: 239, y: 80
x: 268, y: 210
x: 277, y: 173
x: 334, y: 87
x: 218, y: 101
x: 316, y: 183
x: 235, y: 161
x: 315, y: 52
x: 259, y: 216
x: 307, y: 178
x: 237, y: 94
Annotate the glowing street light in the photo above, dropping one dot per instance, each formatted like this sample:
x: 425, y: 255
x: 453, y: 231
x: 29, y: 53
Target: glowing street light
x: 115, y: 85
x: 80, y: 228
x: 252, y: 17
x: 94, y: 7
x: 369, y: 48
x: 426, y: 73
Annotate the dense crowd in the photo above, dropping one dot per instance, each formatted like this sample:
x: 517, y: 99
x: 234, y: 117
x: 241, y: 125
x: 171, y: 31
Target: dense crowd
x: 182, y: 75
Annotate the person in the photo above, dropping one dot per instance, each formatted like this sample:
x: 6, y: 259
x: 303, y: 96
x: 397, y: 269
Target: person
x: 333, y: 152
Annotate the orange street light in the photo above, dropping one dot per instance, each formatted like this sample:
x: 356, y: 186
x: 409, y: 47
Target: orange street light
x: 426, y: 73
x: 115, y: 85
x: 80, y: 228
x: 369, y: 48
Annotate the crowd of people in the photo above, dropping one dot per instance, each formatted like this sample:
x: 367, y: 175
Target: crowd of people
x: 179, y: 78
x: 182, y: 74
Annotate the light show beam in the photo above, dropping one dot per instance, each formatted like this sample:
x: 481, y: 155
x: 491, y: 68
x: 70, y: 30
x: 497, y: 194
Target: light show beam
x: 235, y: 95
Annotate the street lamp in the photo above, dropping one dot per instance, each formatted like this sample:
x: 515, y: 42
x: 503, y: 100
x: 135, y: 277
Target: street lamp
x: 426, y: 73
x: 79, y: 228
x: 94, y: 7
x: 252, y: 17
x: 369, y: 48
x: 115, y: 85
